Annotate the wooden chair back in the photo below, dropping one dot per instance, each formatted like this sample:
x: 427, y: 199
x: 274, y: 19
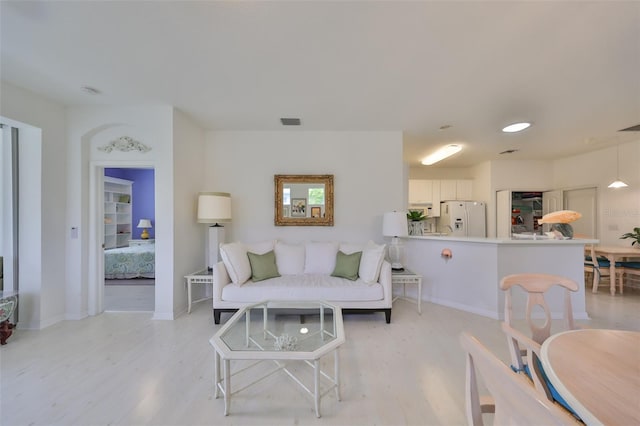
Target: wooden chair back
x: 515, y: 401
x: 536, y: 285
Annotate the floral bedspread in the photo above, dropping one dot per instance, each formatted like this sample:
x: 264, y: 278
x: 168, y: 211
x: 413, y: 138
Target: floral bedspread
x: 130, y: 262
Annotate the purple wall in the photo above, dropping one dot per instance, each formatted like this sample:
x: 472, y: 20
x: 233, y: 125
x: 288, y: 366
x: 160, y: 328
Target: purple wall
x: 142, y: 196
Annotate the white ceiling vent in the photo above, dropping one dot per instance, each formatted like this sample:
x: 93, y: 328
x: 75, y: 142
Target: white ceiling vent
x: 290, y: 121
x: 635, y: 128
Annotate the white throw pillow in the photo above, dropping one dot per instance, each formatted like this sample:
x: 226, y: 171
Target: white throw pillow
x: 261, y: 247
x: 234, y: 257
x: 320, y: 258
x: 371, y: 262
x: 350, y: 248
x: 289, y: 258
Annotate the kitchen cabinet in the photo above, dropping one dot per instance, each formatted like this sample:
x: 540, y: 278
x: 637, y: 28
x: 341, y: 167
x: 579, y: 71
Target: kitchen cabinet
x: 425, y: 193
x: 420, y: 191
x: 456, y: 189
x: 117, y: 212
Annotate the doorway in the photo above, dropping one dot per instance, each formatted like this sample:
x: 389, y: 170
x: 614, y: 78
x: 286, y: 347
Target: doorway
x: 96, y: 237
x: 129, y: 239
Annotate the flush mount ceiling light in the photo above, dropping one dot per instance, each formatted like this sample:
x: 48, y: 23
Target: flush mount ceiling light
x: 441, y: 154
x: 617, y: 183
x: 516, y: 127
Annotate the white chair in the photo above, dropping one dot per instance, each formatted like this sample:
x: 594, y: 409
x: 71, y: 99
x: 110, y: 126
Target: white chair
x: 525, y: 350
x: 513, y: 400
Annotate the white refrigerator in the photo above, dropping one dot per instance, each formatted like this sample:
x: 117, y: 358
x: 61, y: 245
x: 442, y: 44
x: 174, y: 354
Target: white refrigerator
x: 463, y: 218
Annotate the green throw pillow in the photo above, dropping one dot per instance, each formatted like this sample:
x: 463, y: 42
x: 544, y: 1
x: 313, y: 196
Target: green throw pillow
x: 347, y: 265
x: 263, y: 266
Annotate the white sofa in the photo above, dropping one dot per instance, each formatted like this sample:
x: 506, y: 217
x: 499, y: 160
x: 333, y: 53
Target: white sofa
x: 305, y: 273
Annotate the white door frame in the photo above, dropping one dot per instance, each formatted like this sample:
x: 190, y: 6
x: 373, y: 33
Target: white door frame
x: 96, y: 228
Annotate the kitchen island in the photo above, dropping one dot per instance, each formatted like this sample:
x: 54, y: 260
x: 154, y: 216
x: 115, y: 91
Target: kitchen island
x: 469, y: 280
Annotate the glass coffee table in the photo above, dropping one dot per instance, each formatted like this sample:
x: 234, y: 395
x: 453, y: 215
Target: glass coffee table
x: 280, y: 332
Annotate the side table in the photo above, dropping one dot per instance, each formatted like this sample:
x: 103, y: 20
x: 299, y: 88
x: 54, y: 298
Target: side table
x: 408, y: 277
x: 204, y: 276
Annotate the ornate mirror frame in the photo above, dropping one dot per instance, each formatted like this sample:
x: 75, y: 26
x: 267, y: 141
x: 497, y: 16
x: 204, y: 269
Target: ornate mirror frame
x: 280, y: 219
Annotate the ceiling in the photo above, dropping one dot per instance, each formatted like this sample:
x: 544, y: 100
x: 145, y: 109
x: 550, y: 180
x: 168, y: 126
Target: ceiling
x: 573, y: 68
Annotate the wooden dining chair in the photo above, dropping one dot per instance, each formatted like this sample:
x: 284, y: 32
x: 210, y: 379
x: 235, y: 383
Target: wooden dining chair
x: 512, y: 397
x: 525, y: 350
x: 599, y: 269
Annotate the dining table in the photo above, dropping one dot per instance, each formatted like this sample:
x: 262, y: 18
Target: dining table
x: 615, y: 254
x: 597, y: 372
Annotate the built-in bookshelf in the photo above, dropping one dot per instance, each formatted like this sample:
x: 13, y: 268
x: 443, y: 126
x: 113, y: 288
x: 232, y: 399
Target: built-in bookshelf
x: 117, y: 212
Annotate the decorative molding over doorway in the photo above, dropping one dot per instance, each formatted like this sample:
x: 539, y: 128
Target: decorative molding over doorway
x: 124, y: 144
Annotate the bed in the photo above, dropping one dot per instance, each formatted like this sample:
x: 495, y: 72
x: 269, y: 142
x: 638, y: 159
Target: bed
x: 130, y: 262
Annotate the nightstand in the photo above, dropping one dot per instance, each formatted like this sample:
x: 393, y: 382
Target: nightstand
x: 408, y: 277
x: 133, y: 243
x: 201, y: 277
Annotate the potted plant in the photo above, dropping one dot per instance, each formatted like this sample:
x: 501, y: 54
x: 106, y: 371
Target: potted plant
x: 416, y: 216
x: 635, y: 235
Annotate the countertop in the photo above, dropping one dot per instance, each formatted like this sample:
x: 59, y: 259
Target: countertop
x: 514, y: 241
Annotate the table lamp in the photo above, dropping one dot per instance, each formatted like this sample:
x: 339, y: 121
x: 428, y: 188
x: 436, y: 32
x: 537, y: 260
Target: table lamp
x: 214, y: 207
x: 394, y: 224
x: 144, y: 224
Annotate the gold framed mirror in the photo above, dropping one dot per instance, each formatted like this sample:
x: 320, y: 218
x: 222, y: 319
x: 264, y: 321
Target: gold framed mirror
x: 303, y: 200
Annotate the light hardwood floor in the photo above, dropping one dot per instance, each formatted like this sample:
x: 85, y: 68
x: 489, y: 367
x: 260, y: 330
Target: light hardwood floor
x: 126, y: 369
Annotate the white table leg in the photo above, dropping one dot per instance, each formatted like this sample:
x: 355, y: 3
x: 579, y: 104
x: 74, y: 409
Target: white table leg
x: 336, y: 372
x: 420, y: 296
x: 189, y: 295
x: 316, y: 385
x: 227, y: 386
x: 216, y: 374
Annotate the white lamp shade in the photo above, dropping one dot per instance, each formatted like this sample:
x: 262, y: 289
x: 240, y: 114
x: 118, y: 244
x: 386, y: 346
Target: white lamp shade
x: 394, y: 224
x: 214, y: 207
x: 144, y: 223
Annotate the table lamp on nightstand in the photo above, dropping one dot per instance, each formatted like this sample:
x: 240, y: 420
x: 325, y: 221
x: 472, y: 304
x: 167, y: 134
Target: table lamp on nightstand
x: 214, y: 207
x: 144, y: 224
x: 394, y: 224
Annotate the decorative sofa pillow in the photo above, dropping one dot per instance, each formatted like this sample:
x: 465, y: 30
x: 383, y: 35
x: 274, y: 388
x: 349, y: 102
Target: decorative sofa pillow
x: 289, y: 258
x: 371, y: 260
x: 347, y: 265
x: 234, y: 257
x: 320, y: 257
x: 263, y: 266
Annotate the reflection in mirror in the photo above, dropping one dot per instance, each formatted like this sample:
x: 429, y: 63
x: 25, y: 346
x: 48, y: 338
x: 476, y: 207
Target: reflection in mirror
x: 303, y: 200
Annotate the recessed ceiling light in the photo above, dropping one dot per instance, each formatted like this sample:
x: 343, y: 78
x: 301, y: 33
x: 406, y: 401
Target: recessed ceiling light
x: 90, y: 90
x: 441, y: 154
x: 516, y: 127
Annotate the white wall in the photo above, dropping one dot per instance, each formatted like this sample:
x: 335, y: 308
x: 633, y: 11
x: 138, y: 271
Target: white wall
x: 188, y: 177
x: 42, y: 199
x: 618, y: 209
x: 368, y: 174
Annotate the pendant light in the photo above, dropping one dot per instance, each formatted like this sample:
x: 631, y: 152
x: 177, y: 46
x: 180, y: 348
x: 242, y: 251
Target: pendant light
x: 617, y: 183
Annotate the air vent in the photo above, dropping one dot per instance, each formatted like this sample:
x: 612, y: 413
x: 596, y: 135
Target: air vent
x: 509, y: 151
x: 635, y: 128
x: 290, y: 121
